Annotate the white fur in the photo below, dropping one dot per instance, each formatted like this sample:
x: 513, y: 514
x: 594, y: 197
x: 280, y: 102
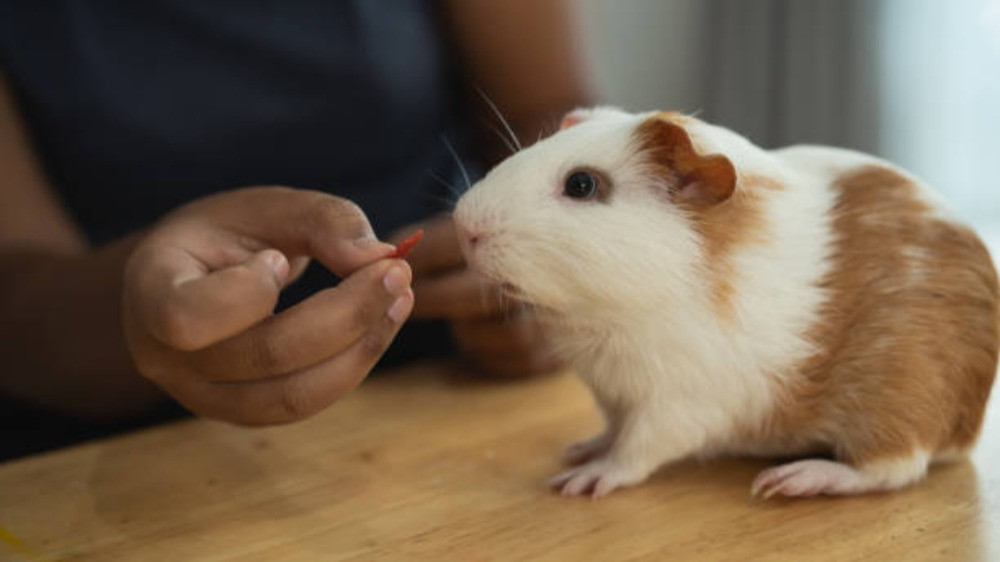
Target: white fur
x: 622, y: 288
x: 831, y: 162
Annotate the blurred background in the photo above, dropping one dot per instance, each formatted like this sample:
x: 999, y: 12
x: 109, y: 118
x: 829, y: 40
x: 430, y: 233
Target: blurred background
x: 914, y: 81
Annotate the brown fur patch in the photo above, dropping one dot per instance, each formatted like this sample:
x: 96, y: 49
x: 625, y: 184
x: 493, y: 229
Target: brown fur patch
x: 909, y: 337
x: 730, y: 215
x: 723, y: 228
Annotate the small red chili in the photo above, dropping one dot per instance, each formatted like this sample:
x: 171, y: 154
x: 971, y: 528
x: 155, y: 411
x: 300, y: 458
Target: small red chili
x: 404, y: 247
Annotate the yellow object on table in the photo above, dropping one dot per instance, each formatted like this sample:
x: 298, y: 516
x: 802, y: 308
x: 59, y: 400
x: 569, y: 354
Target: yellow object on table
x: 425, y: 464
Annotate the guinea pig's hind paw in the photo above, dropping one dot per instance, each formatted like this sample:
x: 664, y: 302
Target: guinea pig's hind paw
x: 805, y: 478
x: 816, y: 476
x: 597, y: 478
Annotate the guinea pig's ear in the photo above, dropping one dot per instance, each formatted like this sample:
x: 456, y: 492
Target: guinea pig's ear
x: 573, y: 117
x: 696, y: 179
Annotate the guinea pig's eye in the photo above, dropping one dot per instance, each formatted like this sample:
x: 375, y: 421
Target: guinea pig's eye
x: 580, y: 185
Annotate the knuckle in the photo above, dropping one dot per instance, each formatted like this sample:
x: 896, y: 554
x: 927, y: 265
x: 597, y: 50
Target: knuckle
x: 296, y: 403
x: 250, y: 287
x: 364, y: 314
x: 268, y: 355
x: 176, y: 327
x: 374, y: 343
x: 335, y: 213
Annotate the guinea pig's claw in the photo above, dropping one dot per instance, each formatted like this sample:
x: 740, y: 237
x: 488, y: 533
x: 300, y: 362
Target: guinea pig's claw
x: 810, y: 477
x: 596, y: 478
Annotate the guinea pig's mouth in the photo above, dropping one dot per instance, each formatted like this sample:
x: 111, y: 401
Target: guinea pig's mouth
x: 507, y: 289
x: 482, y: 262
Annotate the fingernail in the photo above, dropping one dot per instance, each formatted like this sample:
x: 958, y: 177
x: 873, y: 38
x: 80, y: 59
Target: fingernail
x: 278, y: 264
x: 396, y: 281
x: 400, y: 309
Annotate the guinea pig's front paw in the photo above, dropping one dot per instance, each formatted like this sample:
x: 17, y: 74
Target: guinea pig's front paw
x: 598, y: 478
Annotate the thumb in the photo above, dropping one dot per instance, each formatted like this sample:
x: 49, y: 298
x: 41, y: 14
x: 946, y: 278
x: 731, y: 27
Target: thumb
x: 192, y: 310
x: 270, y: 266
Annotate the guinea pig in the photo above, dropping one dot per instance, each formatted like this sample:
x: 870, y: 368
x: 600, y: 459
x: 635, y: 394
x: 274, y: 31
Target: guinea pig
x: 808, y: 302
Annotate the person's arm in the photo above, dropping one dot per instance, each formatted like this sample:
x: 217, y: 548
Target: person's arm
x: 61, y: 341
x: 525, y: 57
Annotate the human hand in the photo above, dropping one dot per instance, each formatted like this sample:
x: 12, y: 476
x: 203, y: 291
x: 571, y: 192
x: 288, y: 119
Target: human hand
x: 201, y: 287
x: 496, y: 334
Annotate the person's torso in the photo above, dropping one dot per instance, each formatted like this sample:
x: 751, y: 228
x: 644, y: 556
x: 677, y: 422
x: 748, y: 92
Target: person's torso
x: 136, y: 108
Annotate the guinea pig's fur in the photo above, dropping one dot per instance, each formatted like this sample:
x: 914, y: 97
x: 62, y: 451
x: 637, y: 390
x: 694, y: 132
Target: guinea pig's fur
x: 719, y: 298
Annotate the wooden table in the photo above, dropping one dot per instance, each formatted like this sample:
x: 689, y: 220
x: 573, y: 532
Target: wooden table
x: 425, y: 464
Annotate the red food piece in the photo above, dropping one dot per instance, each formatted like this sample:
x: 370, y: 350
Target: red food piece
x: 404, y: 247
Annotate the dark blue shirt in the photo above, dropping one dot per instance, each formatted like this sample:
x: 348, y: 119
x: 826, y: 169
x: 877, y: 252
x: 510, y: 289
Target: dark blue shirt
x: 138, y: 107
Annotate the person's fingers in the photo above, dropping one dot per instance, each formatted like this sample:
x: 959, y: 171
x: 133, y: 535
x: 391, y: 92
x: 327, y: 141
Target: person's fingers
x: 187, y: 307
x: 298, y: 267
x: 507, y: 347
x: 495, y: 335
x: 312, y: 331
x: 299, y: 395
x: 460, y: 294
x: 513, y: 366
x: 438, y: 250
x: 298, y: 222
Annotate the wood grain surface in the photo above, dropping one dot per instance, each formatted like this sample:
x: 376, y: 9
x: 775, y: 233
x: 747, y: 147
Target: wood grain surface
x: 427, y: 464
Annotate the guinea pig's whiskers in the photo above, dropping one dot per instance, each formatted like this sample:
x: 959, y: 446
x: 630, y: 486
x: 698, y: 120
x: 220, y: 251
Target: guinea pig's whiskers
x: 496, y: 111
x: 452, y: 190
x: 446, y: 203
x: 461, y: 166
x: 503, y: 138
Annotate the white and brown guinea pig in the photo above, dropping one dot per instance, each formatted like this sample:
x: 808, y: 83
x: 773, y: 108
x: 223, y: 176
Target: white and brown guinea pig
x: 719, y: 298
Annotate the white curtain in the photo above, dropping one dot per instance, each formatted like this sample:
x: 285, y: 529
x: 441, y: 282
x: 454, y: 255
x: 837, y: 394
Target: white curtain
x: 794, y: 71
x: 940, y: 89
x: 914, y: 81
